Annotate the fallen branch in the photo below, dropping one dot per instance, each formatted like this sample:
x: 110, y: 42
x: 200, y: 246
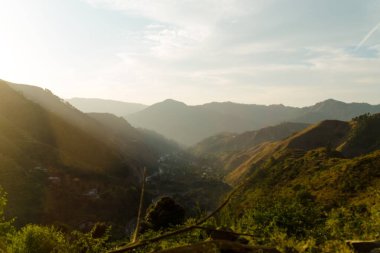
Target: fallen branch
x: 180, y: 231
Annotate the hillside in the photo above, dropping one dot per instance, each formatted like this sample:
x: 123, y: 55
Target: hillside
x: 228, y: 149
x: 99, y: 129
x: 309, y: 200
x: 117, y: 108
x: 318, y: 184
x: 341, y: 139
x: 53, y: 156
x: 137, y: 143
x: 191, y: 124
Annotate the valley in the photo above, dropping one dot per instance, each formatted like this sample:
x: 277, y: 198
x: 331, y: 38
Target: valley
x: 308, y: 183
x: 197, y: 126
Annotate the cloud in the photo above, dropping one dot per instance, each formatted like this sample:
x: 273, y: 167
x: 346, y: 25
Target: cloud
x: 182, y: 13
x: 368, y: 35
x: 256, y: 51
x: 264, y: 51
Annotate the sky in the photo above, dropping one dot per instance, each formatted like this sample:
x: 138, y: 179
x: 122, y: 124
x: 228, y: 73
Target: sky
x: 292, y: 52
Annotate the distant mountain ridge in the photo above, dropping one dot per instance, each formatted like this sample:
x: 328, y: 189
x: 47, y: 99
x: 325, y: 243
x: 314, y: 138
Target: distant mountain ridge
x: 191, y: 124
x: 98, y: 105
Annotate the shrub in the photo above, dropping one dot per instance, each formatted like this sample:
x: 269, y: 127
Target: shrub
x: 93, y: 241
x: 37, y: 239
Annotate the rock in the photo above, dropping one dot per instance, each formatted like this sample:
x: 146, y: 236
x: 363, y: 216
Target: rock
x: 364, y: 246
x: 222, y: 233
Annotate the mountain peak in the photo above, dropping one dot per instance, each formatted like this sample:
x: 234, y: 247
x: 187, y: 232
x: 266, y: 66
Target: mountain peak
x: 331, y: 101
x: 170, y: 103
x: 327, y: 104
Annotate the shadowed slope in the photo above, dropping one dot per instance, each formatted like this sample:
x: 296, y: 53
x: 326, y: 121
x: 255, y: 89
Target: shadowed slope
x: 52, y: 156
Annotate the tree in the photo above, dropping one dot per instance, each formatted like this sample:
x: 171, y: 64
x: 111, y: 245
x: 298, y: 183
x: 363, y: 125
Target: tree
x: 163, y: 213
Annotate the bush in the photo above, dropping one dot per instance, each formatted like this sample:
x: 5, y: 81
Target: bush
x: 93, y: 241
x: 37, y: 239
x: 299, y: 216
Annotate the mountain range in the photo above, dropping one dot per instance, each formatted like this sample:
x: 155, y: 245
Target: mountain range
x: 292, y: 181
x: 190, y: 124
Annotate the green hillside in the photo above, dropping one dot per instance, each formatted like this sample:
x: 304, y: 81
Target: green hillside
x: 307, y: 193
x: 347, y: 139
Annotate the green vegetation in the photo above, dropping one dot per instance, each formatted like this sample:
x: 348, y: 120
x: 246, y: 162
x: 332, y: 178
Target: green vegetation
x: 42, y: 239
x: 303, y: 212
x: 33, y: 238
x: 365, y: 137
x: 288, y: 224
x: 303, y: 195
x: 293, y: 222
x: 45, y: 239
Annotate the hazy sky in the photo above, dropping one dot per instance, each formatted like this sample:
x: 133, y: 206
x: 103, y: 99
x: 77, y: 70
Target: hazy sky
x: 294, y: 52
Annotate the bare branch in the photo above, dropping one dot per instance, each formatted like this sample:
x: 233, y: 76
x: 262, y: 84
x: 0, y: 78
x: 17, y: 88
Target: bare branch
x: 183, y: 230
x: 136, y: 234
